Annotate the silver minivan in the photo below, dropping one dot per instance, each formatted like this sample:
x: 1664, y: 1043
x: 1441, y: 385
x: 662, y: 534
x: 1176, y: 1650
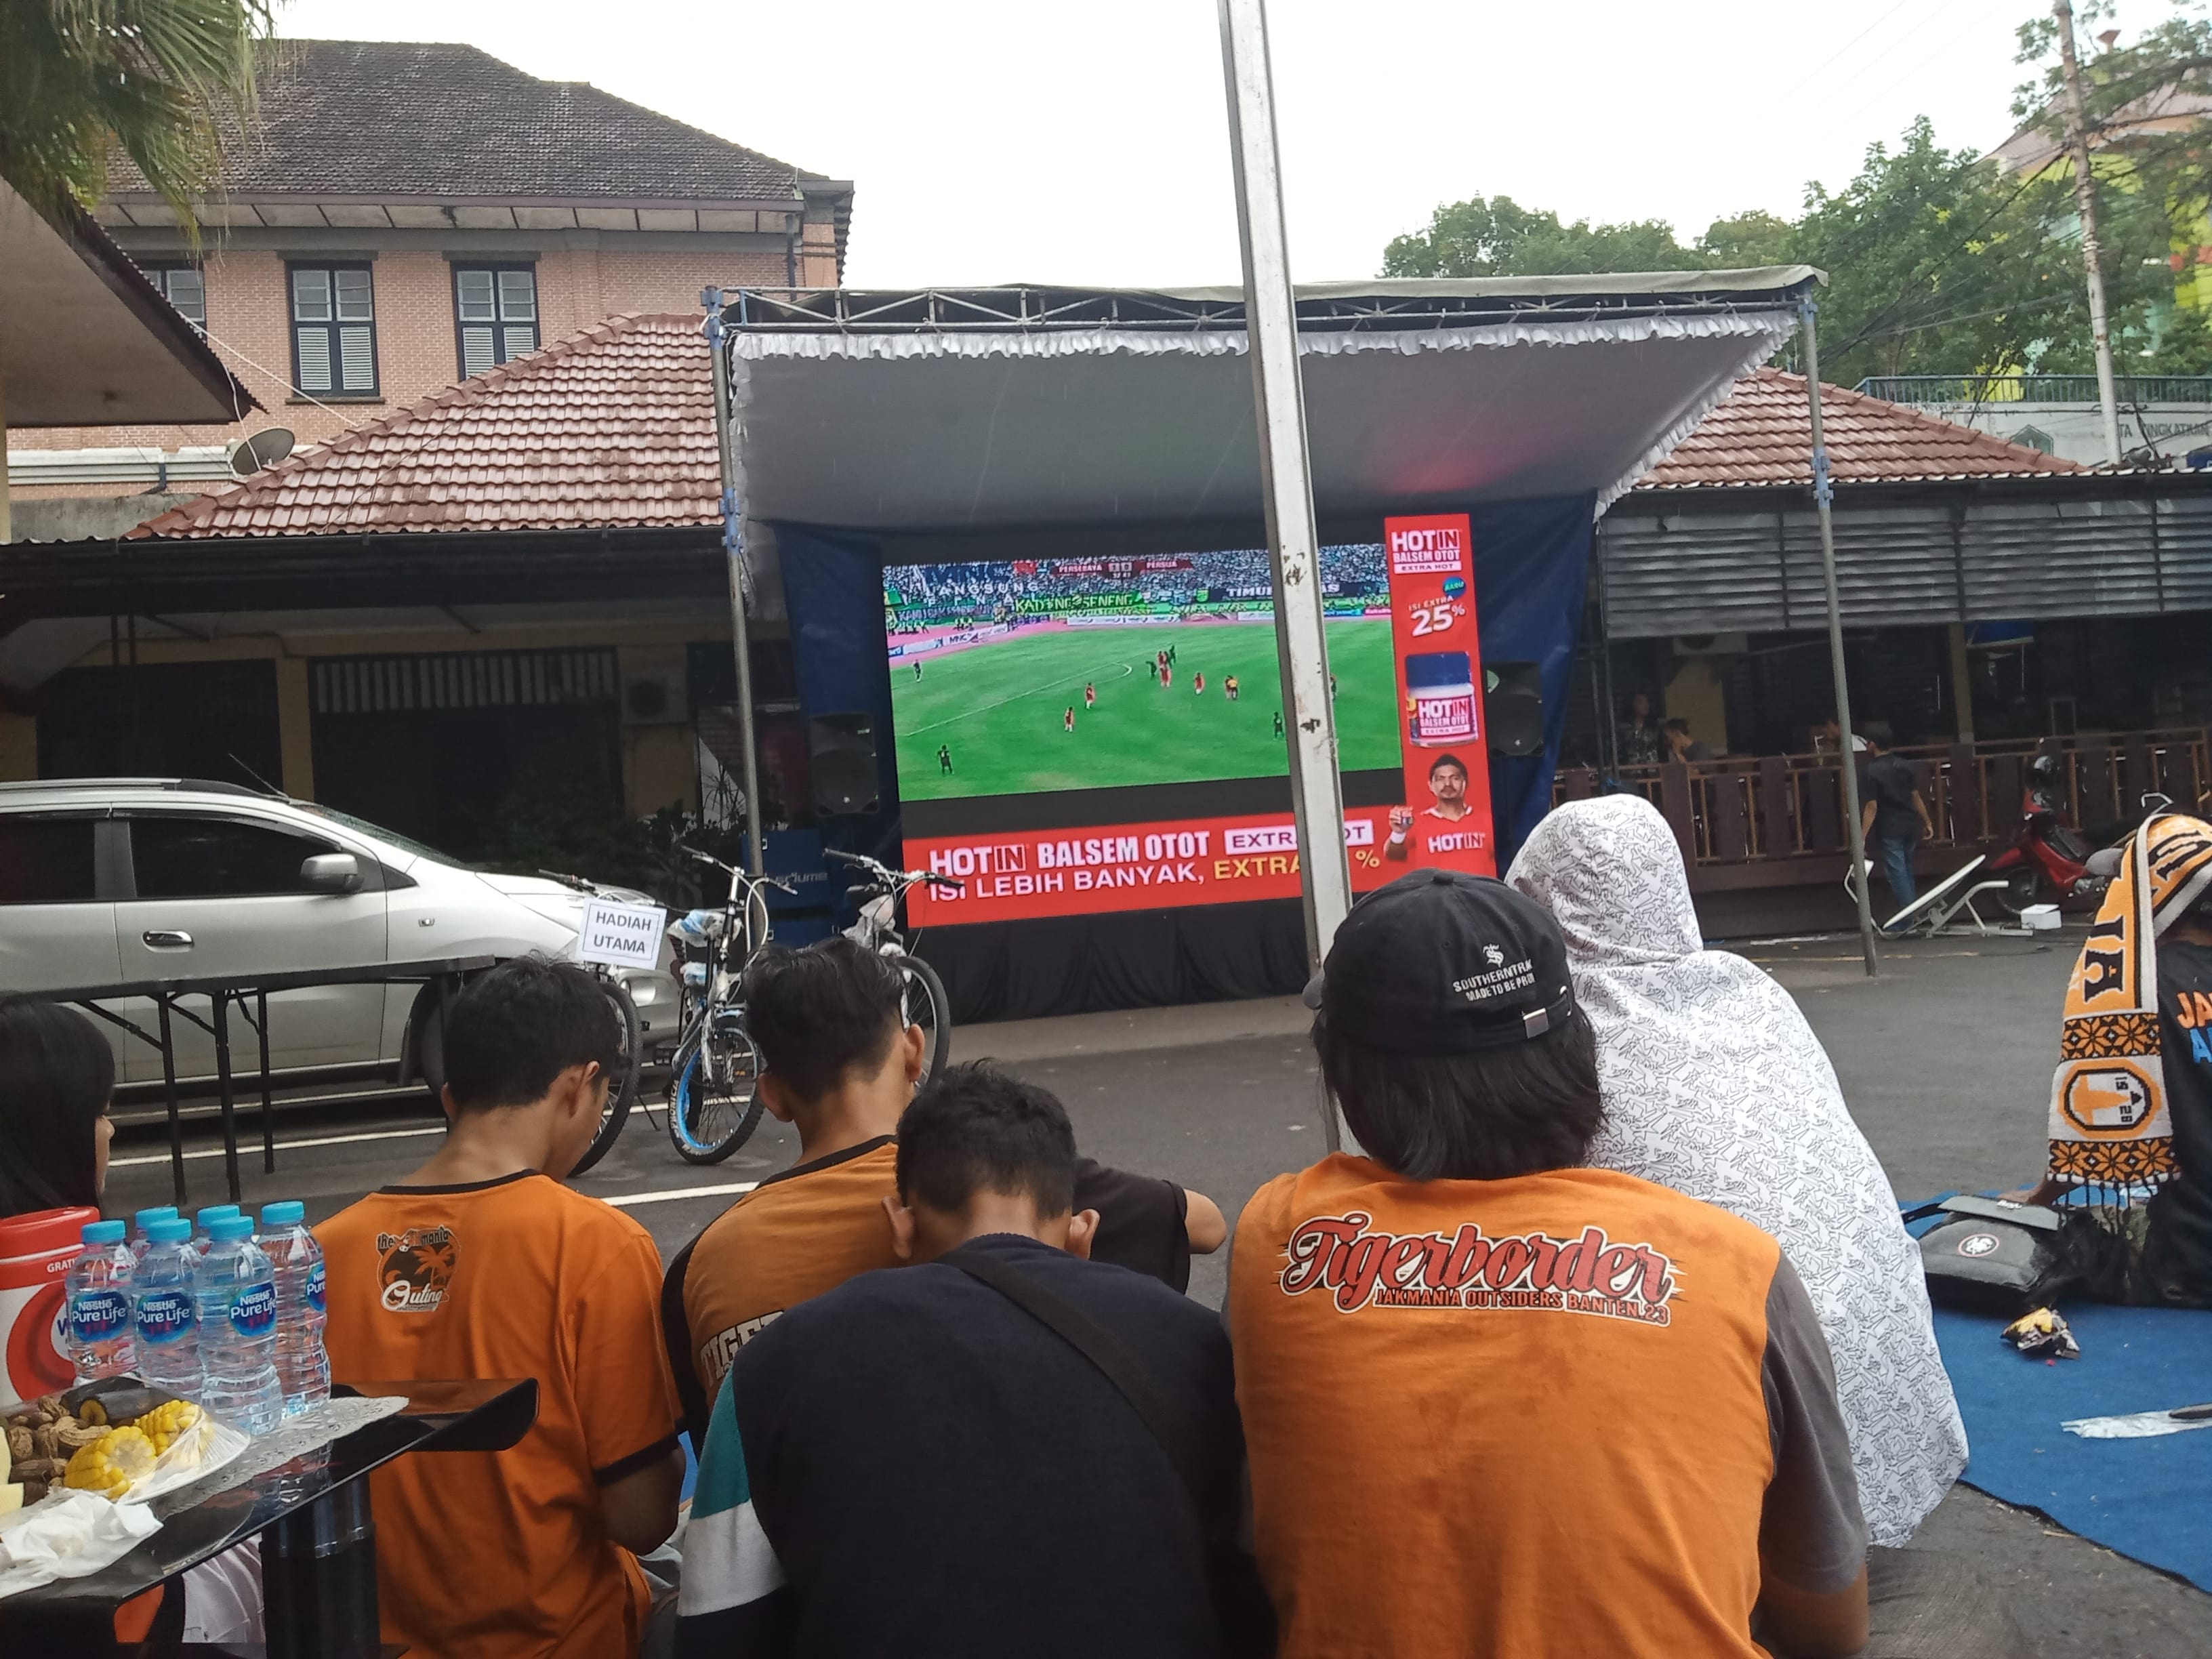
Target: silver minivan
x: 114, y: 880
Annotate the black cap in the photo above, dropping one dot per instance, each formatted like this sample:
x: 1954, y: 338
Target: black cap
x: 1442, y: 962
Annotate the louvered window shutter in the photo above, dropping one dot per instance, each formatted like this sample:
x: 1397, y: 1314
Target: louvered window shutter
x: 187, y: 291
x: 477, y: 313
x: 311, y: 311
x: 495, y: 315
x: 334, y: 330
x: 356, y: 360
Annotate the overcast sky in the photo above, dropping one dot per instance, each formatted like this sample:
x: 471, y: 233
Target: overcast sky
x: 1055, y: 142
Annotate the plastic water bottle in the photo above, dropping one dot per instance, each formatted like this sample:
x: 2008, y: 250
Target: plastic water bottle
x: 237, y: 1292
x: 203, y: 1228
x: 100, y: 1335
x: 302, y: 1363
x: 146, y: 1219
x: 165, y: 1295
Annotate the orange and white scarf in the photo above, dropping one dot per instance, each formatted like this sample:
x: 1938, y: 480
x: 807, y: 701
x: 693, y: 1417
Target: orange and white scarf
x: 2110, y: 1125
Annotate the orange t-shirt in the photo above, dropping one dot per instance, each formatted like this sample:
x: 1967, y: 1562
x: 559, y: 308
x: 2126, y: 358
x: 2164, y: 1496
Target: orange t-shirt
x: 500, y: 1555
x: 1527, y: 1418
x: 797, y: 1235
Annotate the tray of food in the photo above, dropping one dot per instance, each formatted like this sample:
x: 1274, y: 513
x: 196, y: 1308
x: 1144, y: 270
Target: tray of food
x: 116, y: 1438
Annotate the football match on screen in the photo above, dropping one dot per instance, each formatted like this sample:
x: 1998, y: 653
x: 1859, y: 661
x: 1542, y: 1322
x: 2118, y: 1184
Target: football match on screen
x: 1024, y: 675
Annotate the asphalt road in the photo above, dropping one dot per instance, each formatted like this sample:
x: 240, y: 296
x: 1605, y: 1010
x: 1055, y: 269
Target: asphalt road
x: 1945, y: 1059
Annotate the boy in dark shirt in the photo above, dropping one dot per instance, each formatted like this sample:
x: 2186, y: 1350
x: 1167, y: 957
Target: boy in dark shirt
x: 842, y: 1065
x: 915, y: 1463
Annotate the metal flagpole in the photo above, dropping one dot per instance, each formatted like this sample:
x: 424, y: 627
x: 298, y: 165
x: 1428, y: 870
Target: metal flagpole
x: 1271, y: 326
x: 1823, y: 495
x: 733, y: 550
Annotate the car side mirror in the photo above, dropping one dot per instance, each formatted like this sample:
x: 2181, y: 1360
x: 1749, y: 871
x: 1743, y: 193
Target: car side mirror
x: 332, y: 872
x: 2106, y: 862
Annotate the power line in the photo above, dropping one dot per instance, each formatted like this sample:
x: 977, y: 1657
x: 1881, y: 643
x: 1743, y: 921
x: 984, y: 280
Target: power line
x: 1933, y: 58
x: 1933, y: 13
x: 1839, y: 52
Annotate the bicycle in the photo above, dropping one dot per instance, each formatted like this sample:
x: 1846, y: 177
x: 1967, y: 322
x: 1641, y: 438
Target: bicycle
x: 714, y: 1079
x: 880, y: 891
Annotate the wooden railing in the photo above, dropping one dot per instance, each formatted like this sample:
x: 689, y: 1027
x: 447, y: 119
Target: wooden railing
x: 1772, y: 809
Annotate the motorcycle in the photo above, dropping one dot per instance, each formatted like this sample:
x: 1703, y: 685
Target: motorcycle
x: 2051, y: 860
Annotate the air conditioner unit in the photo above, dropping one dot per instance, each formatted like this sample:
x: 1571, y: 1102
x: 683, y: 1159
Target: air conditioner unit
x: 1709, y: 645
x: 655, y: 696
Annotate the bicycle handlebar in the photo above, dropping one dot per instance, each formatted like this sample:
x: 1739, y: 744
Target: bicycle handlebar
x: 746, y: 876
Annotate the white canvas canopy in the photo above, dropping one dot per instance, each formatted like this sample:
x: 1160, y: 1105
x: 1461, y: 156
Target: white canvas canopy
x: 1029, y: 407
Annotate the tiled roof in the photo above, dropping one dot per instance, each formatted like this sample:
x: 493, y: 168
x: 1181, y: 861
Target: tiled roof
x: 611, y: 427
x: 373, y: 119
x: 615, y: 428
x: 1762, y: 434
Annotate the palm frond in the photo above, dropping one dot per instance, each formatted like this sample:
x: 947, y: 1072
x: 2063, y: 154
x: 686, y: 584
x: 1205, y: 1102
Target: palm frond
x: 169, y: 84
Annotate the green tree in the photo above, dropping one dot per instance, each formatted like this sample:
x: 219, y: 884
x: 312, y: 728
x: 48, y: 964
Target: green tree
x: 2147, y: 101
x: 1939, y: 262
x: 1499, y: 237
x: 167, y: 83
x: 1746, y: 240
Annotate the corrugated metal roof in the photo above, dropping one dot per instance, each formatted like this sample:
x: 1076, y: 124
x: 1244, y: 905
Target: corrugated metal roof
x: 613, y: 427
x: 1762, y: 435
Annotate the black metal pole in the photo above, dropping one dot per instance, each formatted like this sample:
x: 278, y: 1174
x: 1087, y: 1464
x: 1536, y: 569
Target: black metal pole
x: 221, y: 1008
x: 169, y: 1093
x: 319, y: 1579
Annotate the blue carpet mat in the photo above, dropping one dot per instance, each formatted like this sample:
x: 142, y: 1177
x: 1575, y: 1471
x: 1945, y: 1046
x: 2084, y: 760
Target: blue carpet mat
x: 2148, y: 1499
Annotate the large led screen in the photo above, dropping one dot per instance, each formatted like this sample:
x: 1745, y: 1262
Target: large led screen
x: 1017, y: 677
x: 1085, y: 734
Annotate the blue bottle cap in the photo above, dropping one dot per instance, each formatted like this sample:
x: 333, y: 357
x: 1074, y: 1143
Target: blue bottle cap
x: 288, y: 1213
x: 146, y: 1219
x: 215, y: 1212
x: 224, y: 1228
x: 103, y: 1232
x: 169, y: 1230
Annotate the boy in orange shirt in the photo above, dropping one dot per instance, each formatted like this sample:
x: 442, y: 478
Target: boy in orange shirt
x: 482, y: 1265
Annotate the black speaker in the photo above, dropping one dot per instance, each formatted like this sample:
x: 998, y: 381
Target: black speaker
x: 1513, y: 702
x: 842, y: 750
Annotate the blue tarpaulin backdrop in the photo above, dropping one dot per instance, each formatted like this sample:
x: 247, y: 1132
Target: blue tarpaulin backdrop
x: 1531, y: 560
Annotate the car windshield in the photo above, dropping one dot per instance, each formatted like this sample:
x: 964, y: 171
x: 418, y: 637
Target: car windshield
x: 389, y: 837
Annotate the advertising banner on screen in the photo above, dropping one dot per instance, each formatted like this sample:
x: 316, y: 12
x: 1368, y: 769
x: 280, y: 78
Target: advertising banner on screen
x: 1131, y: 866
x: 1446, y: 820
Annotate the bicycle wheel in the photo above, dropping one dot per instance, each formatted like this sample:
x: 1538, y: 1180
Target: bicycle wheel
x: 622, y: 1081
x: 713, y: 1098
x: 928, y: 1006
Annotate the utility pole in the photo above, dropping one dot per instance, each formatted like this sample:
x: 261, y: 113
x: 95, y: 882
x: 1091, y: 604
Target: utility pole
x: 1271, y: 328
x: 2084, y: 195
x: 1823, y: 495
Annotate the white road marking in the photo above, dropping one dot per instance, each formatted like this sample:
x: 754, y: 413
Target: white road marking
x: 1126, y: 669
x: 625, y: 1200
x: 248, y: 1143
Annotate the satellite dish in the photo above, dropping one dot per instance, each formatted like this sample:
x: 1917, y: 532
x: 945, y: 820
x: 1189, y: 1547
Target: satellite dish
x: 249, y: 455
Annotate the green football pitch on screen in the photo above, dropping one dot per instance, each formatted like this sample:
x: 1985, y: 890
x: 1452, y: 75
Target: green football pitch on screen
x: 999, y: 709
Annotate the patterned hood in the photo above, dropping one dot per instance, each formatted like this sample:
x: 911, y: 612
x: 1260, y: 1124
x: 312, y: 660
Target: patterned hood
x: 1609, y: 871
x: 1716, y: 1086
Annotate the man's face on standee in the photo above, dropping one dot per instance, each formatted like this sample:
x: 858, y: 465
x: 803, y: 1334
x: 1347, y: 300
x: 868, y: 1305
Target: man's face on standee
x: 1448, y: 783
